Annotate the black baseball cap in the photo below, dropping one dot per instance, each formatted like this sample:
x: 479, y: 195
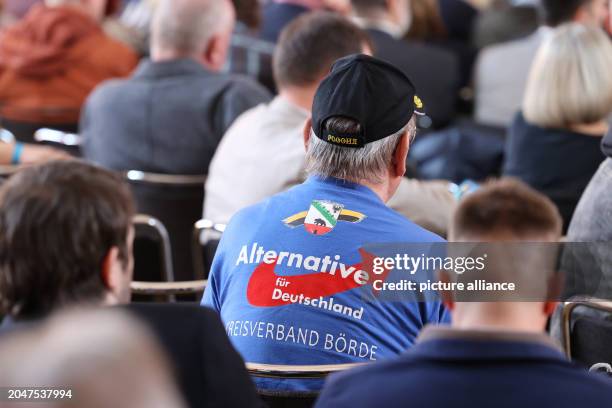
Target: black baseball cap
x: 370, y: 91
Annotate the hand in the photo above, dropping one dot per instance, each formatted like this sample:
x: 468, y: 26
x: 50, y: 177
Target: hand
x: 39, y: 154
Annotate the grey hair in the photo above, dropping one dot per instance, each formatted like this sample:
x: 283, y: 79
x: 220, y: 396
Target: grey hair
x: 368, y: 163
x: 186, y: 26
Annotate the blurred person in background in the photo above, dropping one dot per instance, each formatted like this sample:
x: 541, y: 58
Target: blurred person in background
x: 435, y: 72
x: 66, y: 239
x: 104, y: 358
x: 250, y: 55
x: 554, y: 143
x: 54, y: 57
x: 277, y: 14
x: 505, y: 20
x: 501, y: 72
x: 171, y: 114
x: 593, y: 216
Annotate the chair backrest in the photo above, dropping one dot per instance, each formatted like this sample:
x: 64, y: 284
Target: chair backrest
x: 152, y: 250
x: 293, y: 399
x: 206, y: 237
x: 168, y: 289
x: 587, y: 331
x: 175, y: 200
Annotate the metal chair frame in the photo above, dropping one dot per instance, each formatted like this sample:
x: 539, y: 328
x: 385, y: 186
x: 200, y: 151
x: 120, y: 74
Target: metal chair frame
x: 568, y: 308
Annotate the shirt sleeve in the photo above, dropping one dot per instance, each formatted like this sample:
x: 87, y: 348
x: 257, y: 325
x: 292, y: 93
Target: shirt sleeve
x: 212, y: 293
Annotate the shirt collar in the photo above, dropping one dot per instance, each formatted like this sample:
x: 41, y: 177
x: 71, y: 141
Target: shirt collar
x: 284, y: 107
x: 453, y: 344
x: 177, y: 67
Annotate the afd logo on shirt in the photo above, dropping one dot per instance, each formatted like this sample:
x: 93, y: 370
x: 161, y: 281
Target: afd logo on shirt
x: 322, y: 217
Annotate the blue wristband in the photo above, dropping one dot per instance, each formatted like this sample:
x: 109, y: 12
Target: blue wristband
x: 17, y: 153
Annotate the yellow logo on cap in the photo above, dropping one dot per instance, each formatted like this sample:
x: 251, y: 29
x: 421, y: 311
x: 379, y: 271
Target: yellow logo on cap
x: 418, y: 102
x: 349, y: 141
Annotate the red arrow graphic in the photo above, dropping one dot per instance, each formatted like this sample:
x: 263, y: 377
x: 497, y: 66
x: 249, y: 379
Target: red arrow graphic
x: 263, y: 281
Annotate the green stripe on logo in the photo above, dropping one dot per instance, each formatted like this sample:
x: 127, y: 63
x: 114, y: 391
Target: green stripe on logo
x: 325, y: 213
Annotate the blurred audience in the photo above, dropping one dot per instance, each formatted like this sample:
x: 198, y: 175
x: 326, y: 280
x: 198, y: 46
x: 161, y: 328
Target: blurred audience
x: 591, y: 220
x: 245, y: 168
x: 105, y: 359
x: 501, y: 72
x: 250, y: 55
x: 426, y: 21
x: 52, y: 59
x: 278, y: 13
x: 17, y: 9
x: 505, y: 21
x: 66, y: 238
x: 170, y: 116
x: 356, y: 163
x: 435, y: 72
x: 492, y: 350
x: 554, y: 143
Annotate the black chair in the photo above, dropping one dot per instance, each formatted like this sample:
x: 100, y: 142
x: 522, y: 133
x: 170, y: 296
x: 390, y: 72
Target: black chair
x: 175, y: 200
x: 206, y: 237
x: 209, y: 371
x: 587, y: 331
x: 293, y: 399
x: 152, y: 250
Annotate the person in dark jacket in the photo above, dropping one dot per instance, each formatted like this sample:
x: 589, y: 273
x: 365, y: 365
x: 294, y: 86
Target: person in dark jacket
x: 592, y: 219
x: 554, y: 144
x: 170, y: 116
x: 435, y: 71
x: 495, y: 354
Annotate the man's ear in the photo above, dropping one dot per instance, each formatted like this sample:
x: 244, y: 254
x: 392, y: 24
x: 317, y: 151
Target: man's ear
x: 111, y: 273
x: 400, y: 156
x: 447, y: 296
x: 306, y: 134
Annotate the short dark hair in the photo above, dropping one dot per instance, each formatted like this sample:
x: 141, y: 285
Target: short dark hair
x: 311, y: 44
x: 58, y: 221
x: 506, y: 206
x: 557, y: 12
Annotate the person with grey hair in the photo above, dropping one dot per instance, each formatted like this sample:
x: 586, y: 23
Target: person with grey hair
x: 290, y: 277
x: 565, y: 114
x: 170, y: 116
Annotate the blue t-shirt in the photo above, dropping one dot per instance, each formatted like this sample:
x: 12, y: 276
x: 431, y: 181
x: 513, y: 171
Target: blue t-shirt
x: 289, y: 282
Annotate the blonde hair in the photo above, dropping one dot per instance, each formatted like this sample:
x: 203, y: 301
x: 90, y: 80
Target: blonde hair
x: 570, y: 81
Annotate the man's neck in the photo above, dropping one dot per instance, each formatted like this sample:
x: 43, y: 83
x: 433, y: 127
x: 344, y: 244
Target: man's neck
x: 383, y: 190
x: 596, y: 129
x: 487, y: 321
x: 168, y: 56
x: 301, y: 97
x: 378, y: 21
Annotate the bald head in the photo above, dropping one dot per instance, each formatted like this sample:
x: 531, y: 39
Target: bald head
x: 192, y: 28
